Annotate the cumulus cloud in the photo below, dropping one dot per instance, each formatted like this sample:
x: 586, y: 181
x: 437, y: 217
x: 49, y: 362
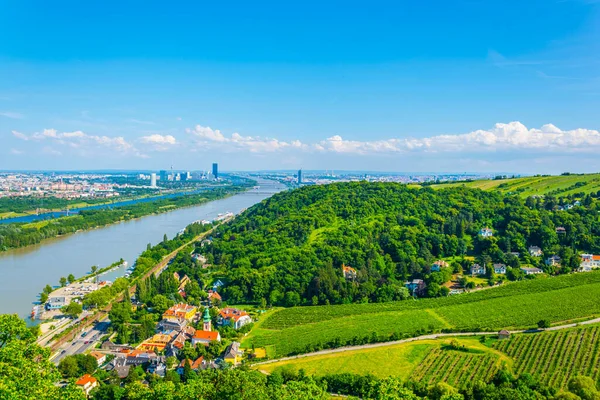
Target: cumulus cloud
x: 85, y: 143
x: 208, y: 137
x: 16, y: 152
x: 502, y: 137
x: 511, y: 136
x: 159, y: 139
x: 159, y: 142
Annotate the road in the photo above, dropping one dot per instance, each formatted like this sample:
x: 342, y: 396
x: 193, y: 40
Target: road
x: 423, y: 337
x: 83, y: 342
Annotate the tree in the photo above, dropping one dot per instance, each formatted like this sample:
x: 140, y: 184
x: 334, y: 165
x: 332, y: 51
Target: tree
x: 71, y: 278
x: 160, y: 303
x: 63, y: 281
x: 584, y: 387
x: 94, y: 269
x: 73, y: 309
x: 26, y: 371
x: 43, y: 297
x: 543, y: 324
x: 47, y: 289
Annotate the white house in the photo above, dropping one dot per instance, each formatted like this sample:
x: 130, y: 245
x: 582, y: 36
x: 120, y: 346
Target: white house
x: 589, y: 262
x: 535, y: 251
x: 531, y: 271
x: 499, y: 268
x: 486, y: 232
x: 438, y: 265
x: 477, y: 269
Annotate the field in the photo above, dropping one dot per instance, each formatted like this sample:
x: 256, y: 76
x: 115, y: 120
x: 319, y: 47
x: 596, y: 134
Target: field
x: 519, y: 305
x: 536, y: 185
x: 398, y: 360
x: 555, y: 356
x: 552, y: 357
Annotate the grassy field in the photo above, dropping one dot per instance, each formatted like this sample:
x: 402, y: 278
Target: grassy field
x: 430, y: 361
x: 536, y: 185
x: 518, y: 305
x: 399, y: 360
x: 552, y: 357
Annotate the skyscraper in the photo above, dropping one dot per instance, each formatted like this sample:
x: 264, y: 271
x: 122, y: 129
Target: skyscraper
x: 163, y: 175
x: 215, y: 171
x: 153, y: 179
x: 299, y: 177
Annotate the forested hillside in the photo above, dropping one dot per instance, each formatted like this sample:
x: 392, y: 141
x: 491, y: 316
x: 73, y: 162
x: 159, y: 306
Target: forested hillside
x: 289, y: 249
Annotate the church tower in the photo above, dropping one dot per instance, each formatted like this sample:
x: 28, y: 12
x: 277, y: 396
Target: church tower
x: 206, y: 319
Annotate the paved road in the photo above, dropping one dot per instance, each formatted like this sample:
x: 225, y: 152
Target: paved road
x: 83, y: 342
x: 423, y: 337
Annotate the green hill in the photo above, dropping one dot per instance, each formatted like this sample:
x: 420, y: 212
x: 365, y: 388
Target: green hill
x: 562, y: 185
x: 290, y: 249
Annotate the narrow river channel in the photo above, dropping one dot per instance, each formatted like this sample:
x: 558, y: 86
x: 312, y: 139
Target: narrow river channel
x: 24, y: 272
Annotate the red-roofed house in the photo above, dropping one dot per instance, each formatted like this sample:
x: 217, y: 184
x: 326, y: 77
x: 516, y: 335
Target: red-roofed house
x: 205, y: 337
x: 349, y: 272
x: 213, y: 296
x: 195, y: 365
x: 87, y: 383
x: 233, y: 317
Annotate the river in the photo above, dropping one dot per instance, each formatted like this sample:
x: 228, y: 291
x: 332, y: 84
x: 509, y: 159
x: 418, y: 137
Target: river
x: 24, y: 272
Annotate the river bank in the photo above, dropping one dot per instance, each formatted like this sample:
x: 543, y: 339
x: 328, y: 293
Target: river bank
x: 22, y: 235
x: 25, y: 271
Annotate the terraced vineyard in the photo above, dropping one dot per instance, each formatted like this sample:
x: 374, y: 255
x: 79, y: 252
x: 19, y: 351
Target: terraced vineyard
x: 554, y: 357
x: 456, y: 367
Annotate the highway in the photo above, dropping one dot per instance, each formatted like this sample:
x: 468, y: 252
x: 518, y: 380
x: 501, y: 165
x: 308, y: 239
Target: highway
x: 83, y: 342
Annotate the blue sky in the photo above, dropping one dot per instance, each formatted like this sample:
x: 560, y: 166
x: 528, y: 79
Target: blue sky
x: 478, y: 86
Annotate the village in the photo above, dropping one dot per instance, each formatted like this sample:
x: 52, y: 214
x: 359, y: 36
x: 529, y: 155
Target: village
x: 182, y: 330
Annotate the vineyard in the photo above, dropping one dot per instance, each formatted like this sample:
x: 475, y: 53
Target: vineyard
x: 456, y: 367
x: 554, y: 357
x: 562, y: 185
x: 515, y: 306
x: 288, y: 317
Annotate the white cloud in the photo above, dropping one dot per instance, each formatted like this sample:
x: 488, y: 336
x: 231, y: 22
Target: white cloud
x: 159, y: 139
x: 10, y: 114
x: 20, y: 135
x: 513, y: 136
x: 207, y: 137
x: 159, y: 142
x: 86, y: 144
x: 16, y: 152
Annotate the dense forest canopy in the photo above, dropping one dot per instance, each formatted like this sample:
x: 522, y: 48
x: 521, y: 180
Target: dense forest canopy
x: 290, y: 248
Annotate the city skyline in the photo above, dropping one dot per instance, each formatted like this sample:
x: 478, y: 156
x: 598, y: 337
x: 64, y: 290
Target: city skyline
x: 447, y: 88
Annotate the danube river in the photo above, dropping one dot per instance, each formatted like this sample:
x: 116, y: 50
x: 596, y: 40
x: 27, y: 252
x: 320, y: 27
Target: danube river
x: 24, y: 272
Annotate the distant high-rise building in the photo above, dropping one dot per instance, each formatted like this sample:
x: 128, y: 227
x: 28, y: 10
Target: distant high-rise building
x: 299, y: 177
x: 153, y: 179
x: 163, y: 175
x: 215, y: 171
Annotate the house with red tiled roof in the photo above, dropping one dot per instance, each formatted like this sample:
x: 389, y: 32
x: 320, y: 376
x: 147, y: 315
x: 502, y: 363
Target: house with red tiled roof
x: 87, y: 383
x: 100, y: 357
x: 194, y: 365
x: 179, y: 311
x: 233, y: 317
x: 213, y: 296
x: 349, y: 272
x: 205, y: 337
